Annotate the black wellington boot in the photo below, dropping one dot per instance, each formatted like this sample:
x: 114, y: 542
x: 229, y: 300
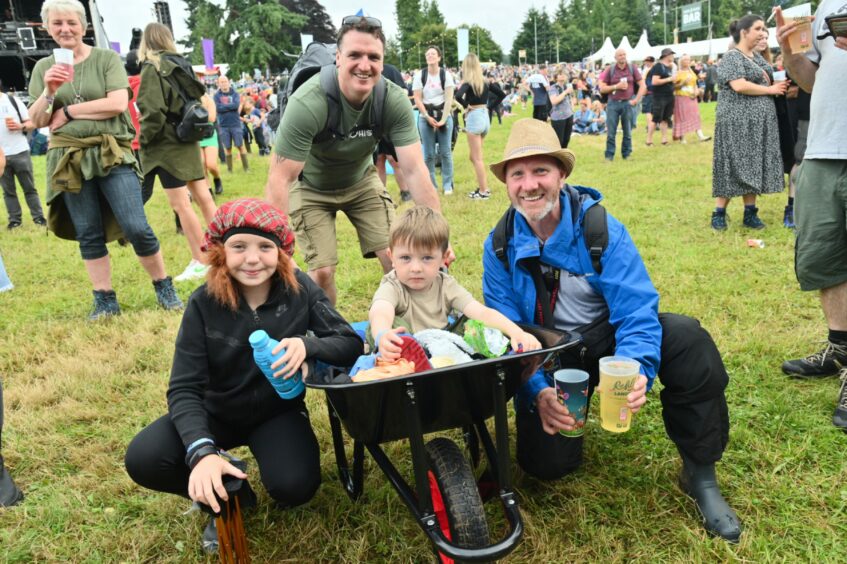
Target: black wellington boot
x: 9, y: 493
x: 699, y: 482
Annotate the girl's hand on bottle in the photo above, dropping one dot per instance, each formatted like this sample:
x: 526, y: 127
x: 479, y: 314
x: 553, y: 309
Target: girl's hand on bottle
x: 295, y: 354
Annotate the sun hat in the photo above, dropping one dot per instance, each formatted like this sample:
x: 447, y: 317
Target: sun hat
x: 530, y: 137
x: 253, y: 216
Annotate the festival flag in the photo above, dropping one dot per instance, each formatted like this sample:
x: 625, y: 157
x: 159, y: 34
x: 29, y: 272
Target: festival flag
x: 209, y: 53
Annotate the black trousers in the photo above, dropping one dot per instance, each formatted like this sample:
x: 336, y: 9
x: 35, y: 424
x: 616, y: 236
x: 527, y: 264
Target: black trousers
x: 285, y: 448
x: 540, y: 113
x: 693, y: 404
x: 563, y: 129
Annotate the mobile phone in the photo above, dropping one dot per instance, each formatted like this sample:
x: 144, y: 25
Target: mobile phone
x: 837, y: 25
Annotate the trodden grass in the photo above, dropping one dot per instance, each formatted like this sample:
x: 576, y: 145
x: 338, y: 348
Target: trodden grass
x: 77, y: 392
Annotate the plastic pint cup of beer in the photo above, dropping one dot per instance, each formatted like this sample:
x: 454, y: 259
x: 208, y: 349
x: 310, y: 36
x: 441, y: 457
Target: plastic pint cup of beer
x: 617, y: 377
x: 65, y: 58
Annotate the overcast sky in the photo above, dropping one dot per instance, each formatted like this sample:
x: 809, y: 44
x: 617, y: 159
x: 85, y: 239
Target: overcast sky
x: 502, y: 17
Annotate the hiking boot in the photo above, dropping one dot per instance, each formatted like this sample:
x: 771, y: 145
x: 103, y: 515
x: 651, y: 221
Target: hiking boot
x: 718, y: 221
x: 839, y: 418
x: 826, y: 362
x: 788, y: 217
x: 13, y: 225
x: 219, y: 186
x: 194, y: 271
x: 210, y: 537
x: 40, y: 221
x: 105, y: 305
x: 166, y: 294
x: 10, y: 494
x: 751, y: 219
x: 479, y: 195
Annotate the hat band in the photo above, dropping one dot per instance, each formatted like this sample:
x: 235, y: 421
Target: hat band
x: 527, y: 149
x: 252, y: 231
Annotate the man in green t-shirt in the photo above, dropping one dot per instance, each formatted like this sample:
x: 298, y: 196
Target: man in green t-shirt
x: 338, y: 174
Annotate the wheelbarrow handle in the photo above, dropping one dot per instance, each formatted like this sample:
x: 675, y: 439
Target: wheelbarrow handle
x: 429, y: 524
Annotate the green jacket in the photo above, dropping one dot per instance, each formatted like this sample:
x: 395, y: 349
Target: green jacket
x: 159, y: 106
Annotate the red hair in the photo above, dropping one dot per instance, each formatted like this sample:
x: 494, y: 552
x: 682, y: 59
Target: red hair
x: 223, y: 288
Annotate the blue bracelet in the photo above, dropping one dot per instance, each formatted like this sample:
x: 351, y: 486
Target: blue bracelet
x: 199, y: 442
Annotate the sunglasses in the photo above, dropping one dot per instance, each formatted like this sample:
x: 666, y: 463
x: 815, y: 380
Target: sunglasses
x: 837, y: 26
x: 353, y: 20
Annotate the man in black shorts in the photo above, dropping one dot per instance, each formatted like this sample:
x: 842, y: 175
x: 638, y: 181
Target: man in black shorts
x: 661, y: 77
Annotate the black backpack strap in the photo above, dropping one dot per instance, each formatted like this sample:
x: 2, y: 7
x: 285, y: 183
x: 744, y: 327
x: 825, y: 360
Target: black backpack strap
x: 500, y: 236
x: 542, y: 296
x: 424, y: 76
x: 378, y: 107
x: 596, y: 234
x: 15, y: 105
x: 442, y: 74
x: 329, y: 84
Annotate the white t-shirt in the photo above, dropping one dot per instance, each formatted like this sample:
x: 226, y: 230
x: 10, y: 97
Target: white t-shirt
x: 12, y: 142
x: 827, y: 118
x: 433, y: 92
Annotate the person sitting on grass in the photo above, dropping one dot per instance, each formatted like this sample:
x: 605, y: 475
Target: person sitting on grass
x: 599, y: 121
x: 218, y: 398
x: 417, y: 295
x: 583, y: 119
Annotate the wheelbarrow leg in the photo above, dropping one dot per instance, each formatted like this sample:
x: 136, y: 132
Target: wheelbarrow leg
x: 419, y: 459
x: 501, y: 432
x: 351, y: 482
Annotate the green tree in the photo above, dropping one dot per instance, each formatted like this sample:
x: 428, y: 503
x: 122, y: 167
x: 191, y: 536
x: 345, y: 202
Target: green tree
x: 319, y: 24
x: 409, y: 21
x: 431, y: 12
x: 536, y: 29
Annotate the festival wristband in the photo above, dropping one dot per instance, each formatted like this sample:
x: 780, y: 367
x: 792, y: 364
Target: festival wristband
x: 200, y: 453
x: 49, y: 108
x: 198, y: 442
x: 67, y: 113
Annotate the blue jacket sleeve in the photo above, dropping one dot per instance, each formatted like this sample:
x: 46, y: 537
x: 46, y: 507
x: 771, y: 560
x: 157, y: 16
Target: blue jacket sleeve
x: 633, y: 302
x: 499, y: 294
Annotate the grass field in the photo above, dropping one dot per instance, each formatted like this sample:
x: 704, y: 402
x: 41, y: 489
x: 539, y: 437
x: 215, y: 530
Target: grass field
x: 77, y: 392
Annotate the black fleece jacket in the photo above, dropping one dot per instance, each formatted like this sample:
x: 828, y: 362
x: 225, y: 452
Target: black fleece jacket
x: 213, y: 372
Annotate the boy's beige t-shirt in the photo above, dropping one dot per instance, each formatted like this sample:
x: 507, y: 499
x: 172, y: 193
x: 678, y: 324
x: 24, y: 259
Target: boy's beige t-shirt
x: 425, y: 309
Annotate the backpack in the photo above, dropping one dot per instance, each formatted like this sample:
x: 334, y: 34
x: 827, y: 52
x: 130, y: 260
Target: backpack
x: 193, y: 123
x: 594, y: 228
x: 320, y: 58
x: 605, y: 97
x: 442, y: 75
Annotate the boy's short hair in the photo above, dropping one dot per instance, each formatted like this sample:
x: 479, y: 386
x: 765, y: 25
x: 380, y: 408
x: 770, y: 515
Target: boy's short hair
x: 420, y: 227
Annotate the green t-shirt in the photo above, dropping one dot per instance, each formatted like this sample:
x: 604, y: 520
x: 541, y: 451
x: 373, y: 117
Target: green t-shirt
x: 337, y: 164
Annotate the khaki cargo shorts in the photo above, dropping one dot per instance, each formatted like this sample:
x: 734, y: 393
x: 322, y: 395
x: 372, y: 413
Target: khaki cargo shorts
x: 820, y: 254
x: 366, y: 204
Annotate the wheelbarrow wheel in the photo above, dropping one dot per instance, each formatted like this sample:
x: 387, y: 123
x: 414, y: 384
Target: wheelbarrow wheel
x: 455, y: 497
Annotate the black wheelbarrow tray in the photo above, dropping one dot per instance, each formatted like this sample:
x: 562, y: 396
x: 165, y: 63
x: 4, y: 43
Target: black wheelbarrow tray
x: 446, y: 501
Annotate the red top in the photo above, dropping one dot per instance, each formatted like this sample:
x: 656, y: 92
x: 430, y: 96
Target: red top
x: 614, y: 74
x: 134, y: 83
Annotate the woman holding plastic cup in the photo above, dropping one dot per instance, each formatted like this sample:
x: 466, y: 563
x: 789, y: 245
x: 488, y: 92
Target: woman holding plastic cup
x: 93, y: 189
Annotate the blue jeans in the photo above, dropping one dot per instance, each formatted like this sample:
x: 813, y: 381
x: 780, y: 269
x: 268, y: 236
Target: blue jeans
x: 618, y: 111
x: 442, y: 136
x: 121, y: 192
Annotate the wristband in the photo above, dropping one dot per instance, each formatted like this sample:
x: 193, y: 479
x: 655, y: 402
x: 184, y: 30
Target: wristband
x: 206, y: 450
x: 67, y: 113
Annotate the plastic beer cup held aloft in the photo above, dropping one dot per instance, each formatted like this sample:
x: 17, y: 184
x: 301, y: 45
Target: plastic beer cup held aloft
x: 617, y: 377
x: 65, y: 57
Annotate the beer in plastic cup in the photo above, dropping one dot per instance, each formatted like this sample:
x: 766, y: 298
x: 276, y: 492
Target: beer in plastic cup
x: 65, y: 58
x: 779, y: 76
x: 617, y: 377
x: 800, y: 39
x: 572, y: 392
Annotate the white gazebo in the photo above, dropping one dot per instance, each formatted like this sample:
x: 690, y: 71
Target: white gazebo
x: 626, y: 46
x: 606, y: 53
x: 642, y: 48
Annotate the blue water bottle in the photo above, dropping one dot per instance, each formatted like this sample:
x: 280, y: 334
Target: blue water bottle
x: 262, y: 346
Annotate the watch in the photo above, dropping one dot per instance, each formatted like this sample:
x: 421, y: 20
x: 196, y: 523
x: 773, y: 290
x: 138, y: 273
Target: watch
x: 67, y: 113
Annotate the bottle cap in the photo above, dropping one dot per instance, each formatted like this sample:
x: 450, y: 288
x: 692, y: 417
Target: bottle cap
x: 258, y: 338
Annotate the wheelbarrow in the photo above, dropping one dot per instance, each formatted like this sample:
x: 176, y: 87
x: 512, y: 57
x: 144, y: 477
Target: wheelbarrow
x: 446, y: 500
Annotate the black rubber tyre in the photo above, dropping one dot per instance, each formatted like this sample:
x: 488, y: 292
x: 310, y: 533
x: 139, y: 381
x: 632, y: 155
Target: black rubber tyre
x: 455, y: 480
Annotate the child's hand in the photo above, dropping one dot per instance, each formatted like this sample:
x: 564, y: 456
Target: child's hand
x: 523, y: 342
x: 389, y: 344
x: 295, y: 354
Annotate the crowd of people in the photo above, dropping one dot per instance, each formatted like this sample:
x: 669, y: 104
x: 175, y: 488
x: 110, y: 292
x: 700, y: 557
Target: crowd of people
x: 101, y: 169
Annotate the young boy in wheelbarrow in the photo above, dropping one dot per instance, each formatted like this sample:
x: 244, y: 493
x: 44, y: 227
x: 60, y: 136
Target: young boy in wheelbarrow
x: 418, y: 295
x: 613, y: 304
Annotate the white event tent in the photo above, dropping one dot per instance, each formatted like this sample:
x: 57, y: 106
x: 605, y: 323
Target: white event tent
x: 606, y: 53
x: 642, y: 48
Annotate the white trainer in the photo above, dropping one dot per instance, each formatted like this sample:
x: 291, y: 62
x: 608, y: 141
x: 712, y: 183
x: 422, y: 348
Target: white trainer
x: 194, y: 271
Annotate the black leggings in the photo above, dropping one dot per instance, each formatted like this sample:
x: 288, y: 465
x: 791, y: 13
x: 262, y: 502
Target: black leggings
x: 563, y: 128
x: 285, y: 448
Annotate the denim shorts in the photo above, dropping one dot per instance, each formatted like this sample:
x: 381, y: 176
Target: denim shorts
x: 232, y: 136
x: 477, y: 122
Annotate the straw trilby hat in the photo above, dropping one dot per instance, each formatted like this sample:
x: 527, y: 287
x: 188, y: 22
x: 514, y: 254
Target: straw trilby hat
x: 530, y: 137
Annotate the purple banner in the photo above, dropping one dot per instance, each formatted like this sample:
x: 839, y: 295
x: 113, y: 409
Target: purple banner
x: 116, y: 46
x: 209, y: 53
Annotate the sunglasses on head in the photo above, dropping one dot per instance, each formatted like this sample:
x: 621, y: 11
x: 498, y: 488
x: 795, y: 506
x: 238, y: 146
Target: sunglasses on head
x: 353, y: 20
